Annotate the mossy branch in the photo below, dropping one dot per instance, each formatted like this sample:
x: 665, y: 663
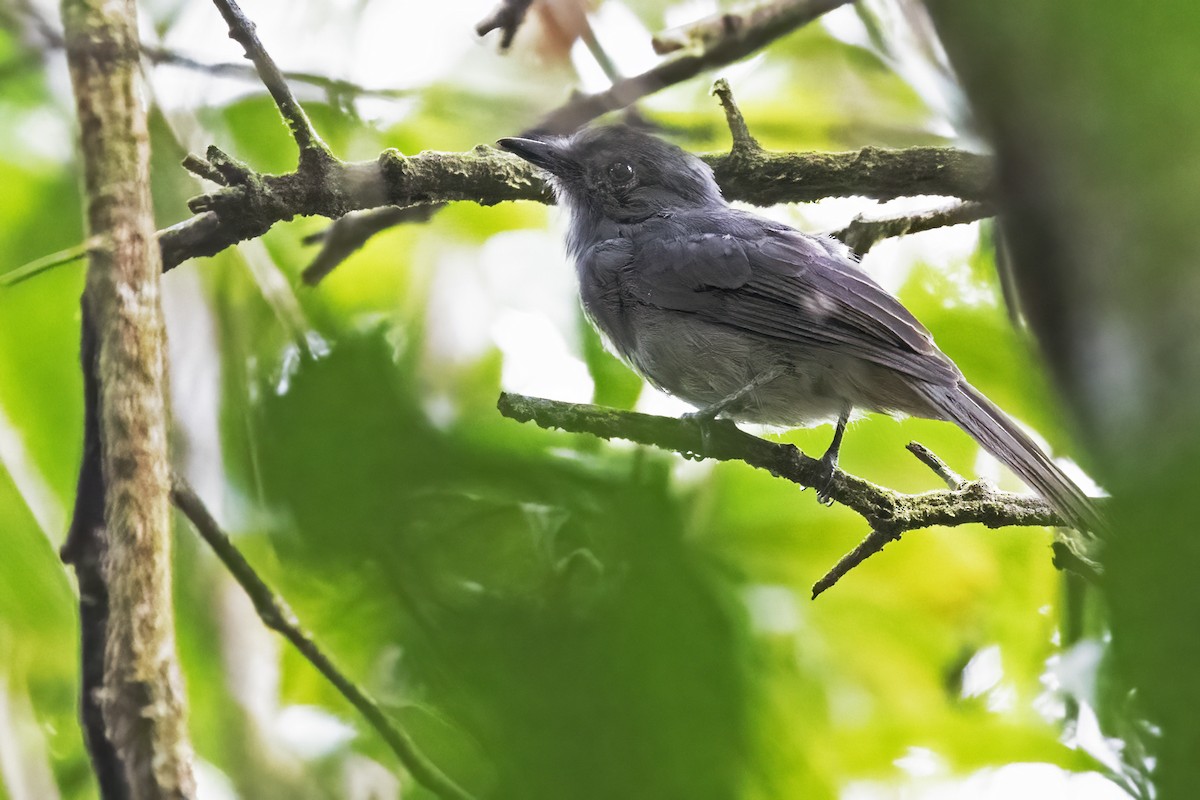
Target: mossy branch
x: 247, y: 204
x: 888, y: 513
x: 862, y: 233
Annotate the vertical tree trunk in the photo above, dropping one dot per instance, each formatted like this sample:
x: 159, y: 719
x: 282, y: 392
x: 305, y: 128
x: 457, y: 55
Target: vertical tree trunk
x: 142, y: 700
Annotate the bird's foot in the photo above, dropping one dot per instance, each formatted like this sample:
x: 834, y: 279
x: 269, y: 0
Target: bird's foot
x: 703, y: 419
x: 824, y: 482
x: 702, y: 415
x: 829, y: 461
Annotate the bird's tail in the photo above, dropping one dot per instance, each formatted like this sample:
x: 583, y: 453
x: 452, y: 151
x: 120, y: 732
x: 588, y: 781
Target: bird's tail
x: 1000, y: 436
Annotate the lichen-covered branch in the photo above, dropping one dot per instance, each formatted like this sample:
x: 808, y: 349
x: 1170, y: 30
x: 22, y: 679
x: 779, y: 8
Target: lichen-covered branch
x: 862, y: 234
x: 743, y: 141
x: 889, y: 514
x: 396, y: 187
x: 765, y: 177
x: 248, y: 204
x: 277, y: 615
x: 952, y: 479
x: 143, y: 703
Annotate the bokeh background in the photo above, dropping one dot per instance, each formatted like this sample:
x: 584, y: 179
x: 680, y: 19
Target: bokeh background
x: 551, y: 616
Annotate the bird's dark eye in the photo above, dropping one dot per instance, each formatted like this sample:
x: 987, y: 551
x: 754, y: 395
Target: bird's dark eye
x: 620, y: 173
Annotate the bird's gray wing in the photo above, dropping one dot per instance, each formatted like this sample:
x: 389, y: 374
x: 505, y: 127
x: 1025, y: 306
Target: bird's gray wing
x: 677, y: 272
x: 785, y: 285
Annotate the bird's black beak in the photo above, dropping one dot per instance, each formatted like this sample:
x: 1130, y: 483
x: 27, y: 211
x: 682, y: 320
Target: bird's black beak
x: 549, y: 155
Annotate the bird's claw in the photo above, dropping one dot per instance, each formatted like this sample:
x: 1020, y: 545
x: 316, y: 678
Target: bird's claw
x: 824, y: 482
x: 702, y: 419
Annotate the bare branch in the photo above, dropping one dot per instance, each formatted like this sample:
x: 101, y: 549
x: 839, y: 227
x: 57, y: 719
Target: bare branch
x: 27, y: 271
x: 862, y: 234
x: 351, y: 231
x: 872, y: 544
x: 708, y: 31
x: 277, y: 615
x: 599, y: 54
x: 202, y: 169
x: 41, y: 23
x: 758, y: 26
x: 335, y: 89
x: 888, y: 513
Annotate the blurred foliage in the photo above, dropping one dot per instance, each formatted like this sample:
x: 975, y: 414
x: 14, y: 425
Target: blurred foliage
x: 551, y: 616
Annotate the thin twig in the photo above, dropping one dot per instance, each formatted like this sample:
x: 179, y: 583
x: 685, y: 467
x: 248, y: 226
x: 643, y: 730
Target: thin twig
x: 877, y: 539
x: 887, y: 512
x: 609, y: 67
x: 744, y: 142
x: 862, y: 234
x: 278, y: 616
x: 41, y: 23
x: 242, y: 30
x: 334, y: 88
x: 351, y: 231
x: 940, y: 468
x: 760, y: 25
x: 204, y: 169
x: 872, y: 544
x: 27, y: 271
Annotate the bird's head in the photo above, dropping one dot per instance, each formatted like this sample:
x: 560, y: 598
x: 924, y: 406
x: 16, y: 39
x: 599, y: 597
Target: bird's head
x: 619, y: 173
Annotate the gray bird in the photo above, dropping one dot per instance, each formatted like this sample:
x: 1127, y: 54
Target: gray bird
x: 752, y: 320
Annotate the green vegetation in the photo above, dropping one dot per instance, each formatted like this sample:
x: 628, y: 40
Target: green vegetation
x: 549, y: 615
